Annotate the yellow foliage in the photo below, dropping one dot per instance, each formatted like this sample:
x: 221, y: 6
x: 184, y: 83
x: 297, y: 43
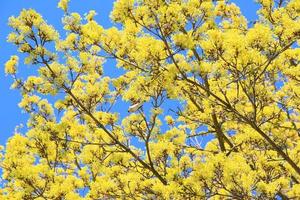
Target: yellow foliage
x: 217, y: 103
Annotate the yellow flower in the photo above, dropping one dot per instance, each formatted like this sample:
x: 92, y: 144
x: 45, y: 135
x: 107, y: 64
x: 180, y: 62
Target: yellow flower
x: 63, y: 4
x: 90, y: 16
x: 11, y: 65
x: 169, y: 120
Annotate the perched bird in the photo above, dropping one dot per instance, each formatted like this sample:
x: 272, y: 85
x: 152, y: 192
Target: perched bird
x: 135, y: 106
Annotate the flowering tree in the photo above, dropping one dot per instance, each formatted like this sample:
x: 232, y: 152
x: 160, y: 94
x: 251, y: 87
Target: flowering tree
x: 225, y: 77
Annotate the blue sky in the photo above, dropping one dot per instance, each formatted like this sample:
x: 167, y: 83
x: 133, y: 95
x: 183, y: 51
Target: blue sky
x: 10, y: 113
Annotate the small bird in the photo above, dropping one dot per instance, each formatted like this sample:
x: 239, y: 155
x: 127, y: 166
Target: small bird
x: 135, y: 106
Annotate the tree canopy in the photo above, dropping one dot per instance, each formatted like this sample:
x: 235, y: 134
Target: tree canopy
x: 193, y: 69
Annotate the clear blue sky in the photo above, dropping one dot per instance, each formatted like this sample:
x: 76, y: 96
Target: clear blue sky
x: 10, y: 113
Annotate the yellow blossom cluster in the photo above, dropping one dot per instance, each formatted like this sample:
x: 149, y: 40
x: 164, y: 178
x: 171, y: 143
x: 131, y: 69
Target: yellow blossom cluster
x: 215, y: 97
